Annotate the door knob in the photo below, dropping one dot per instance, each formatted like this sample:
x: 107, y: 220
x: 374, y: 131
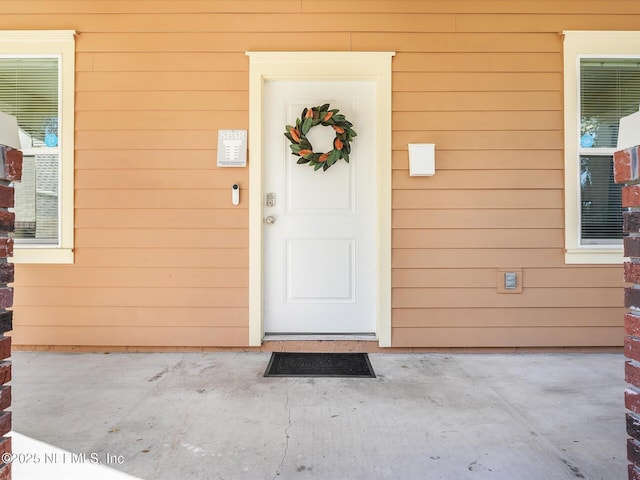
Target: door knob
x: 270, y: 220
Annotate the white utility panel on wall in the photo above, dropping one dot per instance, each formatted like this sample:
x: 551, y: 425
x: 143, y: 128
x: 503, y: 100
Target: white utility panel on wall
x: 422, y: 161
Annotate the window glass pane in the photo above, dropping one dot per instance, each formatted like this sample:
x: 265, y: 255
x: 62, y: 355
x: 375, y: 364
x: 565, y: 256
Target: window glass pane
x: 609, y: 90
x: 29, y: 91
x: 601, y: 200
x: 36, y: 199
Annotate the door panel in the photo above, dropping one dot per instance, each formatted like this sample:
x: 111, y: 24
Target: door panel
x: 319, y: 253
x: 321, y: 281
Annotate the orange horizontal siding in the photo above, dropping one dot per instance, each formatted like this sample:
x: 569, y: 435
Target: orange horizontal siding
x: 478, y: 238
x: 161, y: 81
x: 414, y: 81
x: 508, y: 337
x: 161, y: 256
x: 477, y: 257
x: 145, y: 6
x: 148, y: 257
x: 162, y: 238
x: 461, y: 277
x: 477, y: 101
x: 131, y: 297
x: 473, y: 62
x: 495, y: 218
x: 163, y: 101
x: 126, y: 336
x: 471, y: 199
x: 488, y: 160
x: 544, y: 23
x: 158, y: 120
x: 470, y: 121
x: 248, y: 23
x: 153, y: 199
x: 148, y: 317
x: 158, y: 179
x: 482, y: 179
x: 208, y: 42
x: 489, y: 7
x: 162, y: 217
x: 523, y: 7
x: 177, y: 160
x: 143, y: 140
x: 417, y: 41
x: 530, y: 298
x: 131, y: 277
x: 161, y: 61
x: 464, y: 317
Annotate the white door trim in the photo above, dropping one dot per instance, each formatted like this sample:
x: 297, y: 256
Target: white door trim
x: 374, y: 66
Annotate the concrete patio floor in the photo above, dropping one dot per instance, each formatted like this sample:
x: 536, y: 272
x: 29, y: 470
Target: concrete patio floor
x: 214, y: 416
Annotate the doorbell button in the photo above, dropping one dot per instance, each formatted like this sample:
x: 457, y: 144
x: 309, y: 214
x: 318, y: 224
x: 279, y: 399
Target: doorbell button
x: 235, y: 194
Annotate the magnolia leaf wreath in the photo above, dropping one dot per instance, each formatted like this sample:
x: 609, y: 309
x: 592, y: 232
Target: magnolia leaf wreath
x: 320, y: 115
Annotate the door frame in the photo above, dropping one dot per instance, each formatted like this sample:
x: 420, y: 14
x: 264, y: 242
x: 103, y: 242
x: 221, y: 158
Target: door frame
x: 372, y: 66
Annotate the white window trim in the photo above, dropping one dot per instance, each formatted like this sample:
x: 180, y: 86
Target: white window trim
x: 579, y: 44
x: 61, y: 43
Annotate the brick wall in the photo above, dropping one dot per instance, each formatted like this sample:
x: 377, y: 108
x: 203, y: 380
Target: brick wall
x: 625, y: 164
x: 10, y: 171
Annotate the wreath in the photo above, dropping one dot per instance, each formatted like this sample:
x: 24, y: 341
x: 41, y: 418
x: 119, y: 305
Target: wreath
x: 320, y: 115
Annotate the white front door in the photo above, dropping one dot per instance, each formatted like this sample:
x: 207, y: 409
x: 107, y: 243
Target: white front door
x: 319, y: 257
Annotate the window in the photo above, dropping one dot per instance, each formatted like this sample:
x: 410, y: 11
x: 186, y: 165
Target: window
x: 602, y: 84
x: 37, y: 86
x: 29, y: 91
x: 609, y: 90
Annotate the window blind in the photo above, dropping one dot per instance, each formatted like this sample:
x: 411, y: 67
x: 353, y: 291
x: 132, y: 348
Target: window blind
x: 609, y: 90
x: 601, y: 200
x: 29, y: 91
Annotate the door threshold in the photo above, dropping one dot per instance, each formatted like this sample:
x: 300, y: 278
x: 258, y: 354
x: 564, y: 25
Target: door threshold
x: 353, y: 337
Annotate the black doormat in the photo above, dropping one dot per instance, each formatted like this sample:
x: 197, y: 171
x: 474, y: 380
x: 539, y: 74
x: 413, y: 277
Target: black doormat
x: 294, y: 364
